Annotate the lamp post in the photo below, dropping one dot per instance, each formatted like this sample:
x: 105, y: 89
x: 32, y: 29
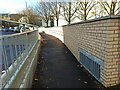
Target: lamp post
x: 27, y: 13
x: 119, y: 7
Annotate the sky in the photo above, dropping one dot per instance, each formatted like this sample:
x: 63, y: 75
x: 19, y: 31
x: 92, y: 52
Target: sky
x: 14, y: 6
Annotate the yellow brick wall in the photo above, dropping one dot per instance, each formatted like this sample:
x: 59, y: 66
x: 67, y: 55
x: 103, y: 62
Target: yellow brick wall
x: 100, y: 38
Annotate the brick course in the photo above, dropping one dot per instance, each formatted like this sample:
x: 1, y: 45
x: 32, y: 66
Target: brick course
x: 100, y: 38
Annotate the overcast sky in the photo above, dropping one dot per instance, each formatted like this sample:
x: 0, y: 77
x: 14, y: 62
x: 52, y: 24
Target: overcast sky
x: 13, y: 6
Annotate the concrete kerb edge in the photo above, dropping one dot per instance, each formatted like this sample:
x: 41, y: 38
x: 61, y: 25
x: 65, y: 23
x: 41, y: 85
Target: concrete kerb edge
x: 23, y: 85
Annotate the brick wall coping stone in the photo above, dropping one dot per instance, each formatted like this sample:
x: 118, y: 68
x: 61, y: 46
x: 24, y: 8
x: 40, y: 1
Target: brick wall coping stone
x: 96, y: 19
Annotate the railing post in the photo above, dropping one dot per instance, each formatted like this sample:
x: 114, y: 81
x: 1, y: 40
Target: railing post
x: 26, y: 43
x: 6, y: 63
x: 11, y: 52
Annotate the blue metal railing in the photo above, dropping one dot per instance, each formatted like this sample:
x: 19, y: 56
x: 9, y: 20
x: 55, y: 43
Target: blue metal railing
x: 15, y: 50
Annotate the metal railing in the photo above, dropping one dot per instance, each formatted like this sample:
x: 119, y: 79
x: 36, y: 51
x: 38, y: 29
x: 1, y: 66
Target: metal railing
x: 15, y: 50
x: 91, y: 63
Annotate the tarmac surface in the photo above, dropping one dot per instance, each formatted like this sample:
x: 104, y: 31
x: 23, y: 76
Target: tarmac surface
x: 58, y: 68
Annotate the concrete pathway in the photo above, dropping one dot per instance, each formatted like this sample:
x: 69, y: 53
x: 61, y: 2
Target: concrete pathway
x: 58, y: 68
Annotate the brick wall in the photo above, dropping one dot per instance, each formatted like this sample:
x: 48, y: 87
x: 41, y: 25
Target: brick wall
x: 101, y: 38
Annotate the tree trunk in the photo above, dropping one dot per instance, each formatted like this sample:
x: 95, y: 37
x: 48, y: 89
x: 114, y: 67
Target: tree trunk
x: 47, y: 24
x: 57, y: 22
x: 85, y: 18
x: 69, y: 22
x: 69, y: 13
x: 85, y: 15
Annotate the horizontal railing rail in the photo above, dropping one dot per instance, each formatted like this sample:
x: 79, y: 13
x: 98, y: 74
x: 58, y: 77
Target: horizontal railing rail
x: 15, y: 50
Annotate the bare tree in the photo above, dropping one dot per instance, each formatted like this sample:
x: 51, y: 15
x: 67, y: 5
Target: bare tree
x: 97, y: 11
x: 55, y: 9
x: 112, y: 7
x: 16, y: 17
x: 84, y: 9
x: 30, y: 13
x: 43, y: 10
x: 68, y: 11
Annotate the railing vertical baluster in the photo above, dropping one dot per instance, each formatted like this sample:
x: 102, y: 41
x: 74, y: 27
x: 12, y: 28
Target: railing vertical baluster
x: 11, y: 52
x: 16, y: 51
x: 23, y: 47
x: 16, y: 43
x: 26, y: 44
x: 16, y: 55
x: 20, y: 54
x: 6, y: 63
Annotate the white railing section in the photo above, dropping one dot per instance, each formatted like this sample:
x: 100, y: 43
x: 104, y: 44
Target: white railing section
x: 15, y: 50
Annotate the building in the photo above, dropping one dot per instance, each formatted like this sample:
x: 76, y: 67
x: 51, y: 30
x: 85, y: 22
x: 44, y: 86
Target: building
x: 23, y: 19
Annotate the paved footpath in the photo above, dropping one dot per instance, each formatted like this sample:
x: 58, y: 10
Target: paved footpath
x: 58, y: 68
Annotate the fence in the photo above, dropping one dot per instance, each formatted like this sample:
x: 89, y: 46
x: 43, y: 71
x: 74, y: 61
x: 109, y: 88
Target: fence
x: 15, y: 50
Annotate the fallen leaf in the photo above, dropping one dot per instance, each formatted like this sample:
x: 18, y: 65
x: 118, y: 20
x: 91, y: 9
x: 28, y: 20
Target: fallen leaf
x: 85, y: 82
x: 50, y: 78
x: 78, y: 78
x: 41, y: 77
x: 46, y: 81
x: 81, y: 65
x: 35, y: 75
x: 38, y: 62
x: 36, y: 79
x: 44, y: 42
x: 96, y: 82
x: 2, y: 72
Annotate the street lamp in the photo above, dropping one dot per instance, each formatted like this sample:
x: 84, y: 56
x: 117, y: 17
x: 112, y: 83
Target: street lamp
x: 27, y: 13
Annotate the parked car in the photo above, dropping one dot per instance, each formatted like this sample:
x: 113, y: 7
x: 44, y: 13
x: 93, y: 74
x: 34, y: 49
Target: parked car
x: 16, y: 29
x: 22, y: 30
x: 27, y: 29
x: 35, y: 28
x: 31, y: 28
x: 6, y: 29
x: 3, y: 29
x: 11, y: 29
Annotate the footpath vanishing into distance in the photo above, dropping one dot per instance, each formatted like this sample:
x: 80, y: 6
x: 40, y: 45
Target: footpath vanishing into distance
x: 58, y: 68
